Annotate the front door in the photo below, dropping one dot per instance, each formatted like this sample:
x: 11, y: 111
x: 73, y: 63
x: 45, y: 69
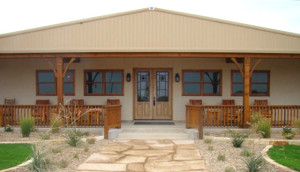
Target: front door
x: 152, y: 93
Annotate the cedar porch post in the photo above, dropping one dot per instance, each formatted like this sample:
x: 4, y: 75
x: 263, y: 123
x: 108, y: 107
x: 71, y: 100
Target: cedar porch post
x: 246, y: 97
x: 59, y: 79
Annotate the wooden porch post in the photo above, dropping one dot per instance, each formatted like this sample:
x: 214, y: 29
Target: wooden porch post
x: 246, y: 97
x: 59, y: 79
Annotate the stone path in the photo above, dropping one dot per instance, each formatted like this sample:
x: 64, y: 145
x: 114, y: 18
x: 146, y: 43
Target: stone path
x: 145, y: 155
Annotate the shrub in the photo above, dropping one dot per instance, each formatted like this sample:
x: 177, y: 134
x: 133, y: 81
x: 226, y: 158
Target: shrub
x: 72, y: 138
x: 80, y: 133
x: 288, y: 132
x: 210, y: 148
x: 254, y: 163
x: 237, y: 139
x: 8, y: 128
x: 63, y: 164
x: 264, y: 127
x: 221, y: 157
x: 207, y: 141
x: 45, y: 136
x: 56, y: 123
x: 91, y: 140
x: 75, y: 156
x: 229, y: 169
x: 39, y: 162
x: 246, y: 153
x: 255, y: 119
x: 27, y: 125
x: 56, y: 150
x: 86, y: 149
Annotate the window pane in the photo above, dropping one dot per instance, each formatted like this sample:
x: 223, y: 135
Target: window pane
x: 47, y: 88
x: 69, y: 77
x: 238, y: 88
x: 143, y: 83
x: 259, y: 88
x: 211, y: 76
x: 237, y: 77
x: 113, y: 88
x: 113, y: 76
x: 162, y: 86
x: 46, y: 77
x: 68, y: 88
x: 192, y: 76
x: 192, y: 88
x: 94, y: 76
x: 259, y: 77
x: 211, y: 89
x: 94, y: 88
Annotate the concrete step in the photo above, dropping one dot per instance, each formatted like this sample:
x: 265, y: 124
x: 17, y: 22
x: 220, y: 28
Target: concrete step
x: 153, y: 130
x: 154, y: 135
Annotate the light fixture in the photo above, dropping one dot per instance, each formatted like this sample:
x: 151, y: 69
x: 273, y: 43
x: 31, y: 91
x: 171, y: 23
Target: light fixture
x: 177, y: 77
x: 128, y: 77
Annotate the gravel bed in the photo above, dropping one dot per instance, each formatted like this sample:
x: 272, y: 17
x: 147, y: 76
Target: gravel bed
x: 233, y: 157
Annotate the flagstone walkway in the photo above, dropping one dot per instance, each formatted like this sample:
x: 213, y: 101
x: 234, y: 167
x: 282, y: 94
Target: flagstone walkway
x: 145, y: 155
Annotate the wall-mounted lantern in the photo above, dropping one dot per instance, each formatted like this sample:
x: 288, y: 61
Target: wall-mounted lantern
x: 128, y: 77
x: 177, y: 77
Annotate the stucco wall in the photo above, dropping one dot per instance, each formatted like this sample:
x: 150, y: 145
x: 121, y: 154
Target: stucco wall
x: 18, y: 80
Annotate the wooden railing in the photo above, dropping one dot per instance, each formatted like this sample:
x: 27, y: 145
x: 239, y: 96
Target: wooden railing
x: 112, y: 118
x: 194, y: 118
x: 227, y: 115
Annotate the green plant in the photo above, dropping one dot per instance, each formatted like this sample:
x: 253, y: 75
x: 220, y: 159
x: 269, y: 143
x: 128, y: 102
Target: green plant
x: 8, y: 128
x: 80, y: 133
x: 91, y: 140
x: 56, y: 150
x: 63, y: 164
x: 39, y: 162
x: 72, y: 138
x: 264, y: 127
x: 56, y: 123
x: 255, y: 119
x: 288, y: 132
x: 254, y: 163
x: 75, y: 156
x: 237, y: 139
x: 287, y: 129
x: 86, y: 149
x: 27, y: 124
x: 246, y: 153
x: 229, y: 169
x: 210, y: 148
x: 45, y: 136
x: 207, y: 141
x: 221, y: 157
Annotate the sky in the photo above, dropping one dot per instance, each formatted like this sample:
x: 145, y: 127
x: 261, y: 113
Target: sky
x: 17, y: 15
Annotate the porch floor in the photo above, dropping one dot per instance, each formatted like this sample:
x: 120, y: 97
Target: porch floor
x: 146, y: 155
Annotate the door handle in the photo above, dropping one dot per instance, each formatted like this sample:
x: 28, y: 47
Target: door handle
x: 153, y: 101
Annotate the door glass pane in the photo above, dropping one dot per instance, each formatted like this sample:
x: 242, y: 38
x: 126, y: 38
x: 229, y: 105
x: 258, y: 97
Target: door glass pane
x: 162, y: 86
x: 143, y: 84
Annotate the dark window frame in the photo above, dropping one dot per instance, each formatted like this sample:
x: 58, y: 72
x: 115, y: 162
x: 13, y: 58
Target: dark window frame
x: 55, y: 83
x: 251, y: 94
x: 104, y: 82
x: 201, y: 83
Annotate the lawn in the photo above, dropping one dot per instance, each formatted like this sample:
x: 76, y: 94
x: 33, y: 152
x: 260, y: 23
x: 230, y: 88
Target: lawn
x: 288, y: 155
x: 13, y: 154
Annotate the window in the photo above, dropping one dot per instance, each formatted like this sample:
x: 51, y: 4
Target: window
x: 46, y: 83
x: 259, y: 83
x: 103, y: 82
x: 202, y: 83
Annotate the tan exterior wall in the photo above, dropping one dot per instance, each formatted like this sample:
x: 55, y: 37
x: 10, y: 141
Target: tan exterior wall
x: 151, y: 31
x: 18, y: 80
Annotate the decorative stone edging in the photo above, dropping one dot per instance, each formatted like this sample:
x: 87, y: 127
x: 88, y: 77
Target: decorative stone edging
x: 18, y: 166
x: 271, y: 161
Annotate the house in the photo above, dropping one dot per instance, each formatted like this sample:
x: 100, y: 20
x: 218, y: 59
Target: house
x: 154, y: 61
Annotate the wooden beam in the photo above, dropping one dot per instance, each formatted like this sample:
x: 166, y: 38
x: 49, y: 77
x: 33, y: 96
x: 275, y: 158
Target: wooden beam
x: 254, y: 66
x: 151, y: 55
x: 238, y: 66
x: 246, y: 97
x: 68, y: 65
x: 52, y: 67
x: 59, y: 79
